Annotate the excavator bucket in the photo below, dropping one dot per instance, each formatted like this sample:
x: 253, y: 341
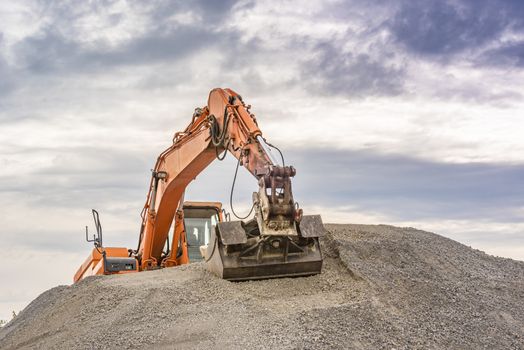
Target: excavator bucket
x: 240, y: 251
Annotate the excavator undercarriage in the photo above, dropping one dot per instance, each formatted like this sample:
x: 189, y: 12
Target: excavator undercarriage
x: 279, y: 241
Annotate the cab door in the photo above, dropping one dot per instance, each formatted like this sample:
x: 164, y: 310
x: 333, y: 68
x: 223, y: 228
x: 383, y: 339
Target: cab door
x: 199, y: 220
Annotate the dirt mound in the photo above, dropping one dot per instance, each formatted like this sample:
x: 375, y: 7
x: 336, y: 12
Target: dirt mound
x: 381, y: 287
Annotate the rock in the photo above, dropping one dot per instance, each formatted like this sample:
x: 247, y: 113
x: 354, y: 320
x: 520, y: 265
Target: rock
x: 382, y: 287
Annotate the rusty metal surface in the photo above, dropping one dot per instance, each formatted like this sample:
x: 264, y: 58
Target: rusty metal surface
x: 232, y: 232
x: 266, y: 271
x: 312, y: 226
x: 276, y: 227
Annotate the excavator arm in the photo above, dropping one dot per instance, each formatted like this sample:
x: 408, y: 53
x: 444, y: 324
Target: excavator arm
x: 277, y: 237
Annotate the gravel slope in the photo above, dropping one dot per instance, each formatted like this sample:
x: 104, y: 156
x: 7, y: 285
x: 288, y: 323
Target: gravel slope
x: 382, y: 287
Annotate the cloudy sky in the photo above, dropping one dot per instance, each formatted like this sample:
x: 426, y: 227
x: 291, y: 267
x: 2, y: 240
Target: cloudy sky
x: 408, y: 113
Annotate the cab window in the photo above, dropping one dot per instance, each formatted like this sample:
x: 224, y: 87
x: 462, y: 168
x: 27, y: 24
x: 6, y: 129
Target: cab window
x: 198, y: 224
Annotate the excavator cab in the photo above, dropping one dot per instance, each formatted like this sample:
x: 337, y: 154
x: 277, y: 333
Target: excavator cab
x: 200, y: 218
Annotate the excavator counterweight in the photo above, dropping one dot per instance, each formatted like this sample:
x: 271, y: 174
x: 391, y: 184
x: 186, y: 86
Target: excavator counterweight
x: 279, y: 241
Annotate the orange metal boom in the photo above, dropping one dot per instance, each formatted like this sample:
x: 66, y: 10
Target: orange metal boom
x: 192, y: 151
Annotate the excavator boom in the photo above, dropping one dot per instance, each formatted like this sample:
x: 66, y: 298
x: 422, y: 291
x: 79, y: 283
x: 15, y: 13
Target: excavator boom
x: 279, y: 241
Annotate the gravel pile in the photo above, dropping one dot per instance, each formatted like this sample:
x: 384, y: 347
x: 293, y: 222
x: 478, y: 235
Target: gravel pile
x: 382, y: 287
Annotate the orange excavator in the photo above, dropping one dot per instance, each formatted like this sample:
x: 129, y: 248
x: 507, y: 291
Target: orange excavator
x: 279, y: 241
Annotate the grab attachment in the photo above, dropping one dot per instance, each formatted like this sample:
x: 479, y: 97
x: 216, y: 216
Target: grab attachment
x: 278, y: 242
